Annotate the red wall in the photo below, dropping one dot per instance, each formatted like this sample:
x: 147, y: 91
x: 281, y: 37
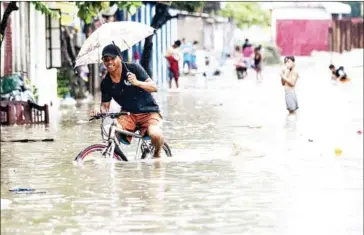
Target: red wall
x: 8, y: 56
x: 301, y: 37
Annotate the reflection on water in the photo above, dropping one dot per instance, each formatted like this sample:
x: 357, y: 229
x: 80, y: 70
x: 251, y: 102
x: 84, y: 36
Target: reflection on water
x: 239, y: 166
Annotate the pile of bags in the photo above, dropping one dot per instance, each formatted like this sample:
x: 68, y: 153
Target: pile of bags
x: 14, y: 88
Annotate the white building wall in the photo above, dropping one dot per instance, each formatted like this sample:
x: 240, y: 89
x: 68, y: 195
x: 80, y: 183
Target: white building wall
x: 24, y: 35
x: 45, y: 80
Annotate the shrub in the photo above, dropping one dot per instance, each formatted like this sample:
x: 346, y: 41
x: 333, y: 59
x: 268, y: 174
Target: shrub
x: 272, y: 54
x: 62, y: 83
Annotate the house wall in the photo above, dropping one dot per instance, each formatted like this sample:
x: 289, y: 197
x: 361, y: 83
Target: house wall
x: 213, y: 34
x: 191, y: 28
x: 299, y: 31
x: 25, y: 50
x: 7, y: 45
x: 301, y: 37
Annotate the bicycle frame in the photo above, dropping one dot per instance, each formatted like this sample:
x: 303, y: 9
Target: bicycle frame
x: 112, y: 139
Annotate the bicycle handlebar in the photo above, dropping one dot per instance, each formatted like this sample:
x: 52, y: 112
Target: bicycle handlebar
x: 112, y: 115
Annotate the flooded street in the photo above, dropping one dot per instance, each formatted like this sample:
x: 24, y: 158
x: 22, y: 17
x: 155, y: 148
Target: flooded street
x: 240, y: 166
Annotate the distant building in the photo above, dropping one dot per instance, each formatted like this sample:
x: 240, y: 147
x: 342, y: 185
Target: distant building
x: 298, y: 28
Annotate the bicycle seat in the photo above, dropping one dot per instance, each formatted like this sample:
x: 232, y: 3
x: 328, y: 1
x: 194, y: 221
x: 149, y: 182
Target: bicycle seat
x: 124, y: 141
x: 137, y: 129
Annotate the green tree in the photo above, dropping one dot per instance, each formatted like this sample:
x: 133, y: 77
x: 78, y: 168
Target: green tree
x: 88, y: 10
x: 246, y: 14
x: 355, y: 9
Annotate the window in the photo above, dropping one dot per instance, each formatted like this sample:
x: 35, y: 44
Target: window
x: 53, y: 41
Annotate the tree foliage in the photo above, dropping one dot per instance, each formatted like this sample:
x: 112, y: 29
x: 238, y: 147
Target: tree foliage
x: 88, y: 10
x: 43, y: 8
x: 246, y: 14
x: 188, y: 6
x: 355, y: 9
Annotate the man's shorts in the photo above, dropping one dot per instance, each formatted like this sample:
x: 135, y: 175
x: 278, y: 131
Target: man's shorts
x: 291, y: 100
x: 141, y: 120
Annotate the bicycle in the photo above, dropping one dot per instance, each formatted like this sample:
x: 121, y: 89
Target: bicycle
x: 113, y: 147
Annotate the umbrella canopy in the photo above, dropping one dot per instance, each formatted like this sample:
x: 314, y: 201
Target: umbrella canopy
x: 125, y: 34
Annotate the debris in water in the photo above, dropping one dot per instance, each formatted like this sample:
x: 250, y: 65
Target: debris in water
x: 24, y: 190
x: 29, y: 140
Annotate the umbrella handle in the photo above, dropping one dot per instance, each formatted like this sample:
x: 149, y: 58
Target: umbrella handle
x: 120, y: 55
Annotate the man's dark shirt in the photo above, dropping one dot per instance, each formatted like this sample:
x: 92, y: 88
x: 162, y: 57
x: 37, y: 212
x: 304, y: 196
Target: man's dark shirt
x: 131, y: 98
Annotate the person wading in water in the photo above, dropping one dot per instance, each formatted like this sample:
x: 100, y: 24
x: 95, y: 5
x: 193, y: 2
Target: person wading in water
x: 258, y: 60
x: 289, y: 78
x: 172, y: 57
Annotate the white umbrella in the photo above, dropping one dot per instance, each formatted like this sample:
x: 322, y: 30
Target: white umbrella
x: 124, y: 34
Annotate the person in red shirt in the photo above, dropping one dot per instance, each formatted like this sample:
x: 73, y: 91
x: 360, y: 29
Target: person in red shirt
x: 172, y: 57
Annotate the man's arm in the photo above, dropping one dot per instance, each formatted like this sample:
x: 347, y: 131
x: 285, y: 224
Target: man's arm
x: 141, y: 79
x: 148, y: 85
x: 104, y: 107
x: 105, y: 97
x: 282, y: 78
x: 292, y: 81
x: 283, y: 82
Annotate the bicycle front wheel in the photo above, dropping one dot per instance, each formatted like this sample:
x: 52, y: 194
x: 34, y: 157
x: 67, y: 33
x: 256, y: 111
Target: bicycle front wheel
x: 95, y: 151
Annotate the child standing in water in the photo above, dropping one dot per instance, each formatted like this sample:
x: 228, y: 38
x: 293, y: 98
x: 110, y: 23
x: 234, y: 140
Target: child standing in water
x: 172, y: 56
x: 258, y: 63
x: 289, y: 78
x: 193, y: 55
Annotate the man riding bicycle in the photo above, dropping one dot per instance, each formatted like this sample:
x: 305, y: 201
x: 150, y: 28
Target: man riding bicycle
x: 132, y: 91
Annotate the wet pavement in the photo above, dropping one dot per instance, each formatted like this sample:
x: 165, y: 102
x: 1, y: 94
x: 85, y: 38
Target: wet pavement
x: 240, y: 166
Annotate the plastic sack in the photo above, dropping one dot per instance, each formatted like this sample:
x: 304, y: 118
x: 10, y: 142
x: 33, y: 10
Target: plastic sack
x: 10, y: 83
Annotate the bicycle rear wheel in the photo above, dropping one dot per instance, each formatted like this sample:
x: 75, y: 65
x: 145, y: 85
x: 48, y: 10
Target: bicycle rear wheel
x: 96, y: 150
x: 165, y: 152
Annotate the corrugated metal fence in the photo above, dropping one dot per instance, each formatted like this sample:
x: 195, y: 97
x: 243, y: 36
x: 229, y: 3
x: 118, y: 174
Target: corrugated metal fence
x: 346, y: 34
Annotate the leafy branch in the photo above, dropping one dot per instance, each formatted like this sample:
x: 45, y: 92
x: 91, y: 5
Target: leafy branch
x: 88, y: 10
x: 44, y: 9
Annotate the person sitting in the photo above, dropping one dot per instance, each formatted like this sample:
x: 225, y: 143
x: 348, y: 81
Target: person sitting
x: 337, y: 74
